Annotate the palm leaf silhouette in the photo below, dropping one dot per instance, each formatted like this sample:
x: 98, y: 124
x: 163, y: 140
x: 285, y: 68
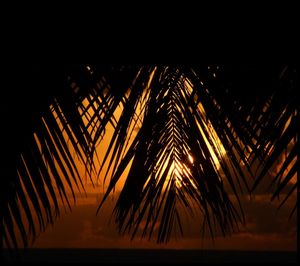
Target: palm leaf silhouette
x: 39, y: 158
x: 174, y: 159
x: 278, y: 134
x: 161, y: 177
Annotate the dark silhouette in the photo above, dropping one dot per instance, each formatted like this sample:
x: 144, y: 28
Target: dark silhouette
x: 248, y: 106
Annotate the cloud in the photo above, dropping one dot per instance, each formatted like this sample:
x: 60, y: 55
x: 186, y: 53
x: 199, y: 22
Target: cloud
x: 266, y: 229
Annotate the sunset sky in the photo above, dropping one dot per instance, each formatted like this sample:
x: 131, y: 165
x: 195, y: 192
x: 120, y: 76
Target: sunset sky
x: 266, y: 227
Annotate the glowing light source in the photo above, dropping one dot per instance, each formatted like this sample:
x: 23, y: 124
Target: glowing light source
x: 191, y: 159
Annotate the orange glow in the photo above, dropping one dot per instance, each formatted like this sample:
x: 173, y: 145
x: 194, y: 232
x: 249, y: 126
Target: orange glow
x: 268, y: 229
x: 191, y: 159
x: 133, y: 129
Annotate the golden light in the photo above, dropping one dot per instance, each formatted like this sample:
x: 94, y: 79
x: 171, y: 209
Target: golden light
x: 191, y: 159
x: 177, y: 169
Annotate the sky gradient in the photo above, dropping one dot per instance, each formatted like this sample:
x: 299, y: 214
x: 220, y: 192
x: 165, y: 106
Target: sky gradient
x: 266, y: 229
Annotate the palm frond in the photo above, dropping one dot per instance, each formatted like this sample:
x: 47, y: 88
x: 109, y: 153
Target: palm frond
x: 174, y: 129
x: 223, y: 113
x: 186, y: 134
x: 43, y: 167
x: 278, y: 134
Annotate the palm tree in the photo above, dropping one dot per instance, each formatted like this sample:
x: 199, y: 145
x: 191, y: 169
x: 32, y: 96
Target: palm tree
x: 195, y: 132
